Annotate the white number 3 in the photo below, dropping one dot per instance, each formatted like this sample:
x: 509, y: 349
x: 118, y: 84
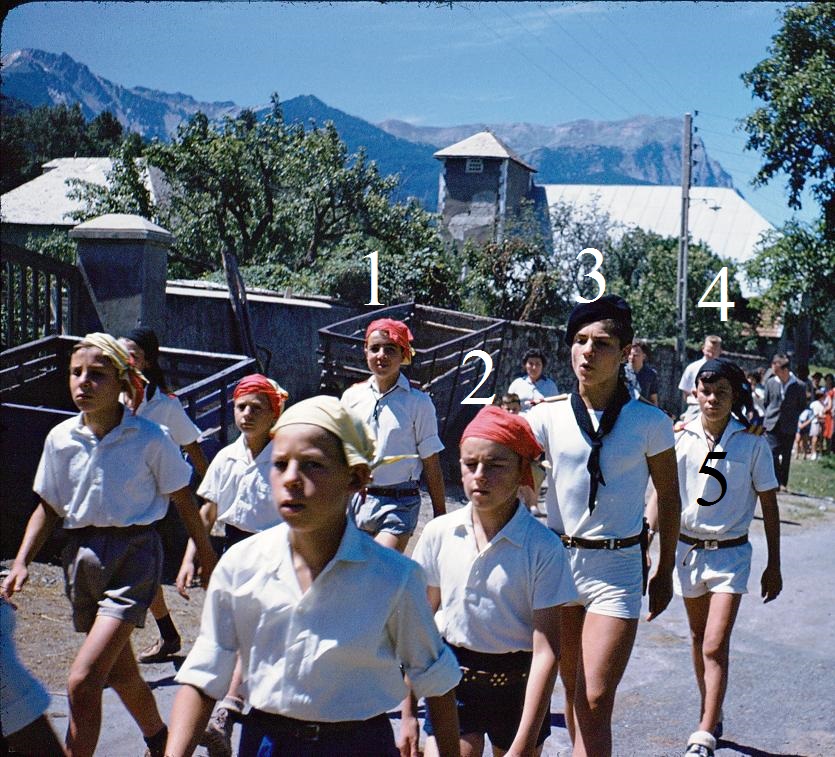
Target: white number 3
x: 594, y: 273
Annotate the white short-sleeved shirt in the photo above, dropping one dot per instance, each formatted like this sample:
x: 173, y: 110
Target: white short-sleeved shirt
x: 527, y: 390
x: 122, y: 479
x: 641, y: 431
x: 240, y: 487
x: 488, y: 598
x: 403, y: 421
x: 330, y: 654
x: 688, y: 380
x: 748, y: 468
x: 23, y: 699
x: 169, y: 413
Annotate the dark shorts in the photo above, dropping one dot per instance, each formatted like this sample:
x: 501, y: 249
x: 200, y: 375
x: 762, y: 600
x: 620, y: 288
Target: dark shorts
x: 232, y: 535
x: 369, y: 738
x: 394, y: 515
x: 494, y: 710
x: 113, y: 572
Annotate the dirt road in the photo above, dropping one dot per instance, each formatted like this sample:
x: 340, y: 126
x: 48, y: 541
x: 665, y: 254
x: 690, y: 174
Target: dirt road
x: 781, y: 697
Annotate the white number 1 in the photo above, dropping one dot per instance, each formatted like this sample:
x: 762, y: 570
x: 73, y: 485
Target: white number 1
x: 375, y: 278
x: 593, y: 273
x: 723, y: 304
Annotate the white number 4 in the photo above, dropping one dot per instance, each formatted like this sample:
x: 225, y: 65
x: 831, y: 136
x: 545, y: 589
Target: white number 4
x: 723, y: 304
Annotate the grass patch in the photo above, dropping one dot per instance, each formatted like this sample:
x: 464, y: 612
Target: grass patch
x: 814, y: 477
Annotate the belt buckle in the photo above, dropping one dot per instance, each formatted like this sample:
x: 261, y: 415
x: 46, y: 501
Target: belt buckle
x: 711, y: 544
x: 308, y: 732
x: 611, y: 544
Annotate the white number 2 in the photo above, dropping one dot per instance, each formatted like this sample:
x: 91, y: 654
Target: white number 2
x: 375, y: 278
x: 488, y: 364
x: 723, y: 304
x: 594, y: 273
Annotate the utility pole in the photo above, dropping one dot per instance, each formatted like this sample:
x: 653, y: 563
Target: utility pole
x: 681, y: 273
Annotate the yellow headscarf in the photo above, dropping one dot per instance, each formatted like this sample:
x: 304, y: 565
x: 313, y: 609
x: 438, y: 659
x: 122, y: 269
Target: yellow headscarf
x: 330, y: 414
x: 122, y: 362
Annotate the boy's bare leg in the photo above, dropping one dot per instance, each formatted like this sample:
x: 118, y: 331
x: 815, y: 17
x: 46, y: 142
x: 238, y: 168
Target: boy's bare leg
x: 158, y: 607
x: 89, y: 673
x: 134, y: 692
x: 571, y: 632
x: 711, y: 618
x: 606, y: 647
x: 393, y: 541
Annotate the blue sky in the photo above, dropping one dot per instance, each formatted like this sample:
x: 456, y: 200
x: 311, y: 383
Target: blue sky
x: 540, y: 62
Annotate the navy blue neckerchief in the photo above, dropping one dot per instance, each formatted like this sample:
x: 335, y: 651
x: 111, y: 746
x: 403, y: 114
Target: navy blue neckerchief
x: 595, y: 438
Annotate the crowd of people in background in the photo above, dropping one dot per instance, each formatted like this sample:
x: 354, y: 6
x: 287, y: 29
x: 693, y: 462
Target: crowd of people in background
x: 316, y: 624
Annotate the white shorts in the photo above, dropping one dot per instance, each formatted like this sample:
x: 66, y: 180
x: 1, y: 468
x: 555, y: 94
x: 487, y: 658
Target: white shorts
x: 712, y: 570
x: 609, y: 581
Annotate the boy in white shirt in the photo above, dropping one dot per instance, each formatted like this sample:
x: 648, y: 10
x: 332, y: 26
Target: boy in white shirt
x: 236, y: 490
x: 405, y: 425
x: 323, y: 618
x: 109, y: 475
x: 496, y: 579
x: 723, y: 466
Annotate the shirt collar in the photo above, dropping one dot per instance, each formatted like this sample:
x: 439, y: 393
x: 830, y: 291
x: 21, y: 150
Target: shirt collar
x: 513, y: 531
x: 129, y: 423
x: 734, y: 426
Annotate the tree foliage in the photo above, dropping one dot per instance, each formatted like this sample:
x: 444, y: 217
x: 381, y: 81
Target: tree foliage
x: 30, y: 138
x: 793, y: 129
x: 295, y: 208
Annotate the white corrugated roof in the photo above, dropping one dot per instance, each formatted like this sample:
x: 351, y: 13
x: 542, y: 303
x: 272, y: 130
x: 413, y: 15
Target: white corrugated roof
x: 485, y: 144
x: 43, y: 201
x: 718, y: 216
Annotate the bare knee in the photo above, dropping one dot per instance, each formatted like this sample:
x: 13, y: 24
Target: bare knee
x: 715, y: 650
x: 84, y: 683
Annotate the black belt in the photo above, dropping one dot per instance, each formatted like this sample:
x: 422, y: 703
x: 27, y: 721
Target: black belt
x: 578, y: 541
x: 304, y: 730
x: 112, y: 530
x: 384, y: 491
x: 711, y: 544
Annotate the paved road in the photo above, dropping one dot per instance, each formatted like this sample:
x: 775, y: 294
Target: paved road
x: 781, y: 697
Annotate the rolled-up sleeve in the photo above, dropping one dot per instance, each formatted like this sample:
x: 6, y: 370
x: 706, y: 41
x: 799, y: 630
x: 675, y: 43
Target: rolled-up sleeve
x: 211, y: 662
x: 426, y: 659
x: 426, y: 428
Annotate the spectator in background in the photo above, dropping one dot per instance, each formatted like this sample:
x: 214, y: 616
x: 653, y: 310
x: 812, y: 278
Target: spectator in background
x: 642, y: 378
x: 817, y: 408
x: 511, y: 403
x: 828, y: 412
x: 756, y: 413
x: 712, y: 348
x: 534, y: 386
x: 785, y: 399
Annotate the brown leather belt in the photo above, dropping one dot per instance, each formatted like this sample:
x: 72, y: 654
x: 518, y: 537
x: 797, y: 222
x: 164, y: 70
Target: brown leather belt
x: 711, y: 544
x: 494, y: 679
x: 578, y: 541
x: 382, y: 491
x: 303, y: 730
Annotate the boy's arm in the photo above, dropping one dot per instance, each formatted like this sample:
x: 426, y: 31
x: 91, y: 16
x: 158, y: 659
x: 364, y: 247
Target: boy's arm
x: 189, y: 717
x: 40, y: 526
x: 541, y: 679
x: 664, y: 472
x: 184, y: 502
x: 188, y: 567
x: 772, y: 579
x: 444, y: 713
x: 409, y: 730
x: 435, y: 483
x: 197, y: 457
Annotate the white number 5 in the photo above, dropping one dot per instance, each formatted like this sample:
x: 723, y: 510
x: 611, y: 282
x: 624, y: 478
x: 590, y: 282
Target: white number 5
x: 488, y: 364
x: 593, y: 273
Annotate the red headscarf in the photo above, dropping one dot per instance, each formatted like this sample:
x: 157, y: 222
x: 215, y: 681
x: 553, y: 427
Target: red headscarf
x: 497, y: 425
x: 258, y: 384
x: 398, y: 333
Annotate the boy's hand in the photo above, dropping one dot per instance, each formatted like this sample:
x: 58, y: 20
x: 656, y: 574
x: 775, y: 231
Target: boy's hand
x: 771, y: 582
x: 18, y: 575
x: 185, y: 577
x: 409, y: 737
x: 208, y: 560
x: 660, y: 593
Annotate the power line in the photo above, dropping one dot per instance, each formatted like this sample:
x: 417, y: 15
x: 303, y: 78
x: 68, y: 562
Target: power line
x: 534, y: 63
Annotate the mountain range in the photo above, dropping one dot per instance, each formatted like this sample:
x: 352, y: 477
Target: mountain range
x: 639, y: 150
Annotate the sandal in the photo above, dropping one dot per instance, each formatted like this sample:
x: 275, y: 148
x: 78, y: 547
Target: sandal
x: 701, y: 744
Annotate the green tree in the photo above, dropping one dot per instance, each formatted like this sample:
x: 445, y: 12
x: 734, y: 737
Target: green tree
x: 793, y: 129
x: 291, y: 204
x: 797, y: 266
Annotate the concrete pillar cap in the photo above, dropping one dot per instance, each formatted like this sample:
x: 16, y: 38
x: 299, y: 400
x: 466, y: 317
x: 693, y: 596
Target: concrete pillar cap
x: 122, y: 226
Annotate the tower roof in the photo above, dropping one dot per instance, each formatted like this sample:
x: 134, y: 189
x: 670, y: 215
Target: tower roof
x: 485, y: 144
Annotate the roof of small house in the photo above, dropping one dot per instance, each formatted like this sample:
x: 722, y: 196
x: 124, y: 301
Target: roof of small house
x: 43, y: 200
x: 485, y: 144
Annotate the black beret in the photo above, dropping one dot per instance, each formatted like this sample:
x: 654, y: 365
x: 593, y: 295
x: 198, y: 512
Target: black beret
x: 610, y: 306
x: 147, y: 339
